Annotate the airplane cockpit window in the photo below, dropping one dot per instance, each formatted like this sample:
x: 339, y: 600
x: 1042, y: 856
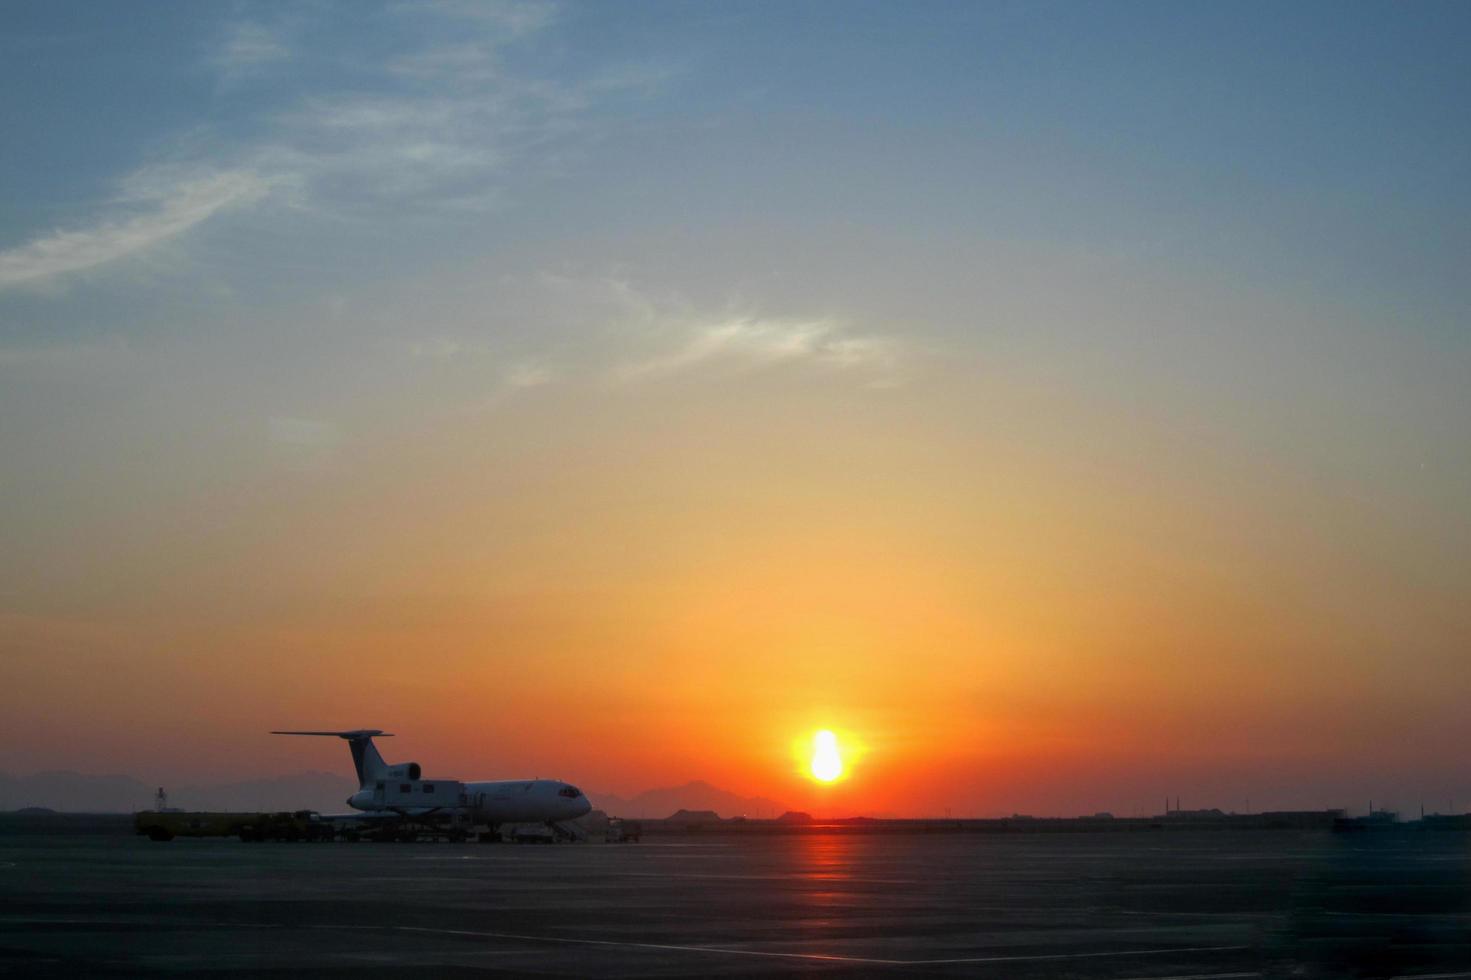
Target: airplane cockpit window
x: 571, y: 792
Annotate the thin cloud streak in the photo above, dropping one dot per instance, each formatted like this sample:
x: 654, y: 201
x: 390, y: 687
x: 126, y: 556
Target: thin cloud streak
x: 509, y: 19
x: 606, y: 331
x: 465, y: 64
x: 529, y: 374
x: 174, y: 207
x: 618, y: 331
x: 444, y: 126
x: 247, y: 48
x: 440, y: 137
x: 757, y: 341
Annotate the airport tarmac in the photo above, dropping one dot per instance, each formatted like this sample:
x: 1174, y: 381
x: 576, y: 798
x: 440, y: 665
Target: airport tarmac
x: 1182, y: 904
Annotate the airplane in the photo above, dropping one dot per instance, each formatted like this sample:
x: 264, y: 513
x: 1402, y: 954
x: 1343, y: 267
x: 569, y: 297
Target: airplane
x: 398, y: 795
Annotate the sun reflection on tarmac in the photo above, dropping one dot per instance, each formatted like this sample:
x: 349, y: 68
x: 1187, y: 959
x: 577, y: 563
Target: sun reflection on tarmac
x: 826, y: 856
x: 825, y: 865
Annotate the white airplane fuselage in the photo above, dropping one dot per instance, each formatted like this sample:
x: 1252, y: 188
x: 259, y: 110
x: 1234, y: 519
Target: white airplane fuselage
x: 490, y: 802
x: 399, y: 790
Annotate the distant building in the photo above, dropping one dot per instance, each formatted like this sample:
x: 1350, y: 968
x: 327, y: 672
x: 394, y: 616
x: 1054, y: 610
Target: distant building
x: 1446, y: 821
x: 1212, y: 814
x: 1376, y: 820
x: 794, y: 816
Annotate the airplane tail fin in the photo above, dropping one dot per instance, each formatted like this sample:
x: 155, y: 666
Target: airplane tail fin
x: 365, y: 757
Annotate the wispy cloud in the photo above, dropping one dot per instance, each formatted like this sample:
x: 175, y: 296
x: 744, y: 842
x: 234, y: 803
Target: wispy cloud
x: 529, y: 374
x: 508, y: 19
x: 156, y: 205
x: 442, y: 120
x: 247, y: 47
x: 650, y: 336
x: 465, y: 63
x: 432, y: 127
x: 749, y: 340
x: 608, y: 330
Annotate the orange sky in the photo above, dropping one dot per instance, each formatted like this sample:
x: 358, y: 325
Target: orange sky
x: 590, y: 587
x: 1073, y: 410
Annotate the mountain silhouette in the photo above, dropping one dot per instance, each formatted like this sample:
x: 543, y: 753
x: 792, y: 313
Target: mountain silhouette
x: 74, y: 792
x: 696, y: 795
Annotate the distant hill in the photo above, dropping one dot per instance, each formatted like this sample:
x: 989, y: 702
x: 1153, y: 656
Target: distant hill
x: 323, y: 791
x: 697, y: 795
x: 73, y: 792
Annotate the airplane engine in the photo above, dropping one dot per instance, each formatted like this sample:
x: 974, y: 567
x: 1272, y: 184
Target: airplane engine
x: 405, y: 770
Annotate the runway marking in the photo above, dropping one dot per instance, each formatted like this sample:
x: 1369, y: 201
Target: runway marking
x: 827, y: 957
x: 1075, y: 956
x: 795, y: 876
x: 1198, y: 976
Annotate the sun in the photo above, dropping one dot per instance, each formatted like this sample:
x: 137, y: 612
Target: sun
x: 827, y: 760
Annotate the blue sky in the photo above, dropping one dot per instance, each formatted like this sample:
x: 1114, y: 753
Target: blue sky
x: 1313, y: 147
x: 1168, y: 295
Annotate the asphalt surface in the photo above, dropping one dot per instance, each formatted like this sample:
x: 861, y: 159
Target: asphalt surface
x: 1175, y: 904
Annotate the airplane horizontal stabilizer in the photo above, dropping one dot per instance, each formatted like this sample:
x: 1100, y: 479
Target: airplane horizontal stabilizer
x: 356, y: 733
